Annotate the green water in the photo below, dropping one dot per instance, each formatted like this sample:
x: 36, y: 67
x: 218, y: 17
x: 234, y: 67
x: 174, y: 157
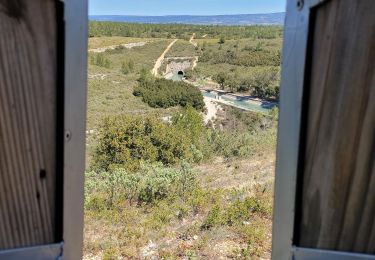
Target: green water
x: 209, y: 94
x: 176, y: 77
x: 245, y: 104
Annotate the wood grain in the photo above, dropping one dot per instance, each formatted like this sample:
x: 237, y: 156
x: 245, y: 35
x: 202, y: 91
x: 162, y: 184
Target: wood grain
x: 338, y: 196
x: 27, y: 122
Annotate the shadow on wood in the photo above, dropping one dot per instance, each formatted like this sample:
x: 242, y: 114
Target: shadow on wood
x: 337, y: 206
x: 27, y: 122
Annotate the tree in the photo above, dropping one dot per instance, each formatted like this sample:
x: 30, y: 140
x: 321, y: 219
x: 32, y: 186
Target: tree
x: 263, y: 87
x: 221, y: 79
x: 232, y: 83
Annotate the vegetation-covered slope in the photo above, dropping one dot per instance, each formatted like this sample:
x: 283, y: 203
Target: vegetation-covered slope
x: 160, y: 182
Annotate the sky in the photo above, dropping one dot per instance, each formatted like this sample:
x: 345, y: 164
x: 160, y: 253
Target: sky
x: 188, y: 7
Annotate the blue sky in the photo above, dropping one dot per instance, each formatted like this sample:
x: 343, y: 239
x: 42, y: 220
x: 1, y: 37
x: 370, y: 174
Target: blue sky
x: 177, y: 7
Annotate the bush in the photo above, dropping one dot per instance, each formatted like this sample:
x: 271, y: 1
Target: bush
x: 153, y: 182
x: 126, y: 141
x: 213, y: 218
x: 100, y: 60
x: 235, y: 213
x: 190, y: 122
x: 166, y: 93
x: 127, y: 67
x: 107, y: 189
x: 187, y: 180
x: 156, y: 182
x: 241, y: 211
x: 222, y: 40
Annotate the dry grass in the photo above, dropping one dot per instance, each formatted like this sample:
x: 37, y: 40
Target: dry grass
x: 182, y: 48
x: 163, y: 232
x: 238, y: 174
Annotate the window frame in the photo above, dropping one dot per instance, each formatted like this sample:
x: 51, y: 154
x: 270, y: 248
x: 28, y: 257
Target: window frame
x: 75, y: 85
x: 296, y: 34
x: 76, y: 40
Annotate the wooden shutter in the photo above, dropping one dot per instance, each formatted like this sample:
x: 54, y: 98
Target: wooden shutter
x: 28, y: 113
x: 43, y: 72
x: 325, y: 176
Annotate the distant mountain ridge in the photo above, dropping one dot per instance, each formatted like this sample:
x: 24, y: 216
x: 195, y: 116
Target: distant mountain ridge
x: 238, y: 19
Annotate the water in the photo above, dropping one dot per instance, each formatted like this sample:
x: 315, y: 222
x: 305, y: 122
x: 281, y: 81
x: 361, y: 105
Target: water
x: 209, y: 94
x: 174, y: 77
x: 264, y: 107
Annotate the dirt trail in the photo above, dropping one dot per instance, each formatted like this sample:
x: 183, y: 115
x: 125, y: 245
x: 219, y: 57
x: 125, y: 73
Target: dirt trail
x: 192, y: 39
x: 159, y: 61
x: 212, y: 108
x: 195, y: 61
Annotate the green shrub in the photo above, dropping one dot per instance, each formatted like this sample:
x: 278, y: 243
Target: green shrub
x: 110, y: 254
x: 222, y: 40
x: 94, y: 197
x: 231, y: 145
x: 127, y: 67
x: 213, y: 218
x: 187, y: 180
x: 167, y: 93
x: 198, y: 200
x: 96, y: 202
x: 152, y: 183
x: 236, y: 212
x: 128, y: 140
x: 156, y: 182
x: 106, y: 189
x: 162, y: 213
x: 190, y: 122
x: 240, y: 211
x: 100, y: 60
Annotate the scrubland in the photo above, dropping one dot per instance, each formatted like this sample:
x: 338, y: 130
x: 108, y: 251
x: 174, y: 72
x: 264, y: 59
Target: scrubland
x: 160, y: 183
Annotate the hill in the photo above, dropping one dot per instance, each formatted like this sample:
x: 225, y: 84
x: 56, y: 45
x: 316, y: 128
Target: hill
x: 238, y: 19
x: 168, y: 182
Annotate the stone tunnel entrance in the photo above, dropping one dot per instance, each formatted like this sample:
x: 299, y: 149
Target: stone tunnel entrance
x: 180, y: 72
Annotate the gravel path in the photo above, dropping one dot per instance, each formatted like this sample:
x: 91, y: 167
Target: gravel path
x: 192, y: 39
x: 212, y: 108
x: 159, y: 61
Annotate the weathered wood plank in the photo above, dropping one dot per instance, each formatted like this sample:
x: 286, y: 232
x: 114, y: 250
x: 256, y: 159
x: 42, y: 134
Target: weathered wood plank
x: 338, y: 179
x: 27, y: 122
